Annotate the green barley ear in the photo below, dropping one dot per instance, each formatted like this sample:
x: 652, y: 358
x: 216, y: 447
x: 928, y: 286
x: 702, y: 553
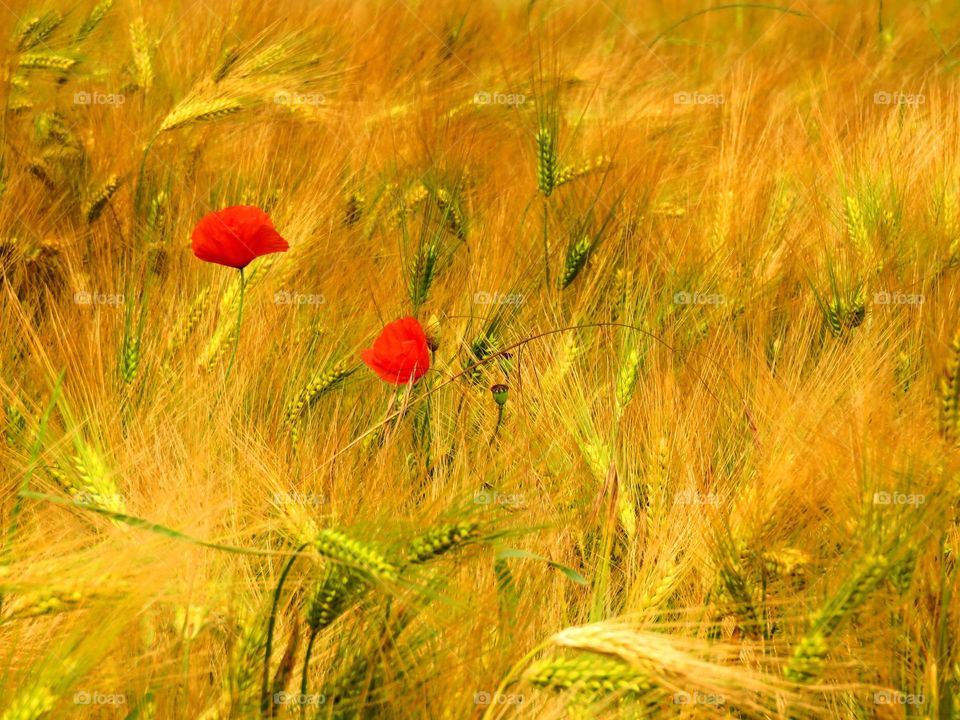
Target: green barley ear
x: 194, y: 112
x: 577, y: 252
x: 339, y: 547
x: 157, y: 213
x: 423, y: 270
x: 806, y: 664
x: 584, y: 240
x: 570, y: 173
x: 320, y: 384
x: 189, y: 321
x: 439, y: 541
x: 736, y: 586
x: 546, y: 161
x: 452, y: 213
x: 856, y: 227
x: 15, y: 425
x: 339, y: 589
x: 93, y: 482
x: 100, y: 197
x: 950, y: 395
x: 141, y: 54
x: 591, y: 674
x: 38, y: 29
x: 93, y: 20
x: 46, y: 61
x: 240, y: 694
x: 627, y: 378
x: 130, y: 358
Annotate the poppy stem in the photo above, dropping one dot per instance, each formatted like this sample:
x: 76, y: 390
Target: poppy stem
x: 496, y: 428
x: 236, y: 334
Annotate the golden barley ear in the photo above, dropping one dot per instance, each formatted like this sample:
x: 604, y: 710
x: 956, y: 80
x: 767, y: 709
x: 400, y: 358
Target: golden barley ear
x: 100, y: 197
x: 950, y: 395
x: 194, y: 112
x: 142, y: 63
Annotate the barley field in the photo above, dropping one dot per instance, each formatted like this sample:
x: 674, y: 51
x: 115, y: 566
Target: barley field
x: 403, y: 359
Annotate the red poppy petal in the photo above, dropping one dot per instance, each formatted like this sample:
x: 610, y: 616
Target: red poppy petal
x: 235, y: 236
x: 376, y: 363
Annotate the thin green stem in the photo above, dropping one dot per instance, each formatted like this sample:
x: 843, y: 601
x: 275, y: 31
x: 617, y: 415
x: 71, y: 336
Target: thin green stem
x: 303, y: 676
x: 12, y: 528
x: 271, y: 624
x: 236, y: 334
x: 138, y: 191
x: 546, y: 243
x: 496, y: 428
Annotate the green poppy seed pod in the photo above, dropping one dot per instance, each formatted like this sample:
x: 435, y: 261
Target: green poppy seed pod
x: 500, y: 393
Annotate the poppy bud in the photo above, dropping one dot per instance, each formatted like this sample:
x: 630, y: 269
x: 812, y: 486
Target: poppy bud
x: 500, y: 393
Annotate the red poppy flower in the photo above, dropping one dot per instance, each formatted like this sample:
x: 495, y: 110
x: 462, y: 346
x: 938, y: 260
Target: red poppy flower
x: 400, y: 352
x: 236, y: 235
